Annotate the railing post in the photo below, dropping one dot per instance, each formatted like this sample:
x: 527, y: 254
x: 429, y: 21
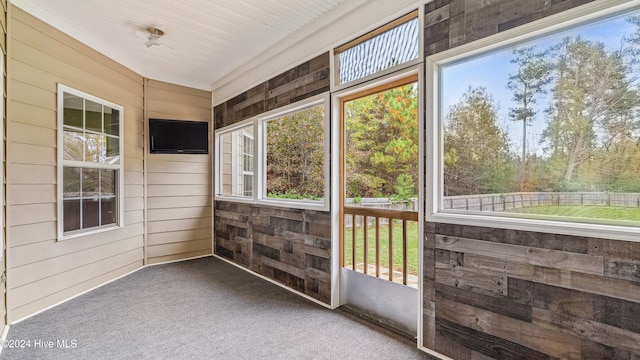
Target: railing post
x: 366, y: 245
x: 390, y: 249
x: 404, y: 252
x: 353, y: 241
x: 377, y: 246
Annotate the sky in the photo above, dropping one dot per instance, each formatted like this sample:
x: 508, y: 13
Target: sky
x: 492, y: 72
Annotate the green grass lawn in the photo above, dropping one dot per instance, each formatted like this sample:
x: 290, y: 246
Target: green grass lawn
x: 412, y: 246
x: 591, y: 212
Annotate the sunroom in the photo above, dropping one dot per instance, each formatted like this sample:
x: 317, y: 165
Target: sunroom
x: 463, y: 174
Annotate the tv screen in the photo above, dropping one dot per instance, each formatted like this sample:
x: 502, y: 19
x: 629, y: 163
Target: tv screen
x: 178, y: 136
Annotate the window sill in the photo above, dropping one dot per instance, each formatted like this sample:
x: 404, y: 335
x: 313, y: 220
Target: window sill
x: 90, y: 232
x: 612, y: 232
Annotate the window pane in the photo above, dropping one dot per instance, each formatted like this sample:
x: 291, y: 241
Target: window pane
x: 295, y: 155
x: 73, y: 110
x: 71, y: 213
x: 111, y: 121
x: 236, y: 158
x: 90, y: 213
x: 73, y: 144
x: 90, y: 183
x: 71, y: 182
x: 108, y: 214
x: 550, y: 127
x: 95, y: 148
x: 113, y: 151
x: 393, y: 47
x: 93, y: 116
x: 248, y: 185
x: 107, y: 182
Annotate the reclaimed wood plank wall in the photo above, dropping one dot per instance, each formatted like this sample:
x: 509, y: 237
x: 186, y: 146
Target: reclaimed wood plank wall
x: 509, y: 294
x: 291, y: 246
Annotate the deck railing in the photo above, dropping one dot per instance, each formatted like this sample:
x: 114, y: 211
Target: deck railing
x: 362, y: 217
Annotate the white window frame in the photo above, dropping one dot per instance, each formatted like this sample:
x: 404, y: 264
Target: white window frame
x: 218, y: 145
x: 434, y: 140
x: 262, y: 166
x: 337, y: 87
x: 245, y: 135
x: 260, y: 157
x: 62, y: 235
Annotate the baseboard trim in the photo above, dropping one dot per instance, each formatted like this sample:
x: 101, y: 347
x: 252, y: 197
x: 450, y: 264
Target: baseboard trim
x: 179, y: 260
x: 275, y: 282
x: 434, y: 353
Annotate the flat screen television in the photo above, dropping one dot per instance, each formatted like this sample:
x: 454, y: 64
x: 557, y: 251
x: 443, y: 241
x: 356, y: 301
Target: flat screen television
x: 178, y: 136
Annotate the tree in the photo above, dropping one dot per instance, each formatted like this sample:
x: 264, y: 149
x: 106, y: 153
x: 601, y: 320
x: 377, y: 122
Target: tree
x: 593, y: 101
x: 476, y: 150
x: 381, y: 141
x: 295, y: 155
x: 530, y: 80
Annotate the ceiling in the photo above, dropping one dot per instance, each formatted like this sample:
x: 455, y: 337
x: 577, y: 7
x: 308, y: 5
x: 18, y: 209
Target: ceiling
x: 204, y: 39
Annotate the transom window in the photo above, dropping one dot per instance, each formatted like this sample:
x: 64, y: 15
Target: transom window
x: 90, y: 175
x: 390, y: 45
x: 543, y: 129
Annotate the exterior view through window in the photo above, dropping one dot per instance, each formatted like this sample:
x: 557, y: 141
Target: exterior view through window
x: 547, y: 129
x: 237, y: 162
x: 295, y: 155
x: 380, y: 130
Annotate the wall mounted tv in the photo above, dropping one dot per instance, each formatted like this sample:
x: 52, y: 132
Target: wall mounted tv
x: 178, y: 136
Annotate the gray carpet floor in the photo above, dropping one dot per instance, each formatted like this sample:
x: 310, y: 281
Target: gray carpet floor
x: 199, y: 309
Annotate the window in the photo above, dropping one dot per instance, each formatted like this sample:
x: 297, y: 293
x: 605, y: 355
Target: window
x: 247, y: 164
x: 393, y: 44
x: 91, y: 172
x: 277, y: 157
x: 236, y: 162
x: 546, y: 128
x: 295, y: 155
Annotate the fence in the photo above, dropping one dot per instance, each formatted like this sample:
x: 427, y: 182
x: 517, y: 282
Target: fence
x: 511, y: 201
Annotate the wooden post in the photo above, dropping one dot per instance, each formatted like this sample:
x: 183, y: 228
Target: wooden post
x: 366, y: 245
x: 390, y: 249
x: 404, y: 252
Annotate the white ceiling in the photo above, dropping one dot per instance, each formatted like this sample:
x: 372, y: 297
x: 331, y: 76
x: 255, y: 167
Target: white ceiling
x: 204, y: 39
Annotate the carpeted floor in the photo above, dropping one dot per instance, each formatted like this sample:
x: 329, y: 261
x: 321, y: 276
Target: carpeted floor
x: 199, y: 309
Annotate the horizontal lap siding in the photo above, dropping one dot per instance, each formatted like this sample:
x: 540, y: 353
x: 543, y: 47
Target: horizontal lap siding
x: 3, y: 47
x: 179, y: 212
x: 41, y: 270
x: 290, y: 246
x: 513, y: 294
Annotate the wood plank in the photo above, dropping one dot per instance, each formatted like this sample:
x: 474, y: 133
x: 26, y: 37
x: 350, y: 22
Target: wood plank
x: 33, y: 135
x: 592, y: 330
x: 37, y: 252
x: 539, y: 337
x: 32, y: 154
x: 19, y: 112
x: 453, y: 338
x: 156, y: 88
x: 480, y: 281
x: 158, y: 108
x: 183, y: 256
x: 30, y: 273
x: 133, y: 217
x: 31, y: 233
x: 495, y: 304
x: 178, y: 213
x: 32, y: 213
x: 525, y: 254
x: 178, y: 190
x: 179, y: 248
x: 46, y: 287
x: 32, y: 194
x: 179, y: 179
x: 198, y: 101
x: 621, y: 289
x: 178, y: 167
x: 179, y: 236
x: 176, y: 225
x: 20, y: 309
x: 133, y: 178
x: 167, y: 202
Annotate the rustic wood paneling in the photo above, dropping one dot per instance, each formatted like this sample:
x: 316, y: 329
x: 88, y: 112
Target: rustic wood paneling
x: 501, y: 304
x: 178, y: 185
x: 304, y: 81
x: 450, y: 23
x: 278, y: 243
